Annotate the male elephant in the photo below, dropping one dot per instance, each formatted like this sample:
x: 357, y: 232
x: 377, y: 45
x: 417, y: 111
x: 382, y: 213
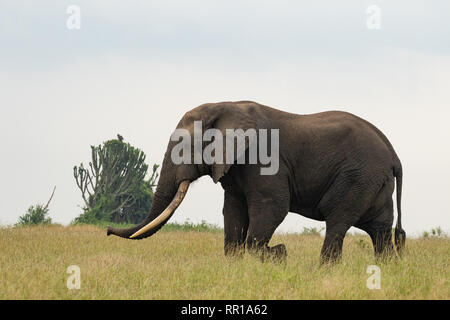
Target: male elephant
x: 332, y: 166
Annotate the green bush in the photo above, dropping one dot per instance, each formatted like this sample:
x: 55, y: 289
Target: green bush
x: 435, y: 233
x: 311, y: 231
x: 35, y: 215
x: 190, y: 226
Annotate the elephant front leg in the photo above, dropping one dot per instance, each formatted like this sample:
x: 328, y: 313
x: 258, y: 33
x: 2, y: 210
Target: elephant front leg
x: 265, y: 217
x: 235, y: 223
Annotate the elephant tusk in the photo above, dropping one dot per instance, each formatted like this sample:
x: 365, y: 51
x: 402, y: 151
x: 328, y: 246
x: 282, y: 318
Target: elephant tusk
x: 182, y: 189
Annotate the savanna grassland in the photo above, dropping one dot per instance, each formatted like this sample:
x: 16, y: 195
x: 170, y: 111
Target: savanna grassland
x: 191, y: 265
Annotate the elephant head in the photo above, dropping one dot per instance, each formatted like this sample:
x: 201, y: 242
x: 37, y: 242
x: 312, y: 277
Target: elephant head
x: 176, y: 177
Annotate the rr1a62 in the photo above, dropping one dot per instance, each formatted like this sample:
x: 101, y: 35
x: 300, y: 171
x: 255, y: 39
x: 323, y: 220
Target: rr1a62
x: 246, y: 309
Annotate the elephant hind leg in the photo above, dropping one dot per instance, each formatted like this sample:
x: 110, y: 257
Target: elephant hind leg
x: 382, y: 241
x: 380, y: 227
x: 343, y: 206
x: 381, y: 235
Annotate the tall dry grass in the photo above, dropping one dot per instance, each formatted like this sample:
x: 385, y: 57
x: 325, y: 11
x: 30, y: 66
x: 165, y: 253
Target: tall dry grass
x: 191, y: 265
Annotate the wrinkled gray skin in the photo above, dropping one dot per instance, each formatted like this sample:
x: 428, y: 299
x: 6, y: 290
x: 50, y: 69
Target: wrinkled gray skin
x: 334, y: 167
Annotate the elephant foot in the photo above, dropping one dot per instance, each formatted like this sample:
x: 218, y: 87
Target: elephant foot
x: 234, y: 251
x: 329, y: 260
x: 330, y: 257
x: 276, y: 254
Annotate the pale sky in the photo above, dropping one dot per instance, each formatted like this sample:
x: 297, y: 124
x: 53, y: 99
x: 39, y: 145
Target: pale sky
x: 136, y: 67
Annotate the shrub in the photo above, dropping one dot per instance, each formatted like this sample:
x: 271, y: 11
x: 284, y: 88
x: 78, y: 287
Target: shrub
x: 312, y: 231
x: 435, y: 233
x: 35, y: 215
x: 190, y: 226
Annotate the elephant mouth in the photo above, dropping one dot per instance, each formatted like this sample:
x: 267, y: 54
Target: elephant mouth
x: 168, y: 212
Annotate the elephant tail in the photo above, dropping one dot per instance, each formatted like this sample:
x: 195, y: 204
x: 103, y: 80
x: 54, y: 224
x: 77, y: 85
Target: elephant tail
x: 400, y: 235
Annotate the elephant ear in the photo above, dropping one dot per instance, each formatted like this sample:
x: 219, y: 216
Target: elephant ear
x: 230, y: 116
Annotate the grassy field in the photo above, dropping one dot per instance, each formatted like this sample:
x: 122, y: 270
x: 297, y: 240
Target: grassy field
x: 191, y: 265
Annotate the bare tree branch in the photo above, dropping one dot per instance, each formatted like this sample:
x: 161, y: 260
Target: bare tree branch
x: 51, y: 197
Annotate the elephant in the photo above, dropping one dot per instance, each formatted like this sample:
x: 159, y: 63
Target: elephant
x: 333, y: 166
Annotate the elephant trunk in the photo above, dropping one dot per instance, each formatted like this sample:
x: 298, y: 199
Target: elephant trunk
x: 162, y: 218
x: 167, y: 198
x: 159, y: 204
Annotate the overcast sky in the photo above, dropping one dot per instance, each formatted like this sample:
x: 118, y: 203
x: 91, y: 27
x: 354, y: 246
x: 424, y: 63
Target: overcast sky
x: 135, y: 67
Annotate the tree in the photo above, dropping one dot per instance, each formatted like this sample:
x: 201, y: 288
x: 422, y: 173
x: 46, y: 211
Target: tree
x: 143, y: 202
x: 37, y: 214
x: 113, y: 185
